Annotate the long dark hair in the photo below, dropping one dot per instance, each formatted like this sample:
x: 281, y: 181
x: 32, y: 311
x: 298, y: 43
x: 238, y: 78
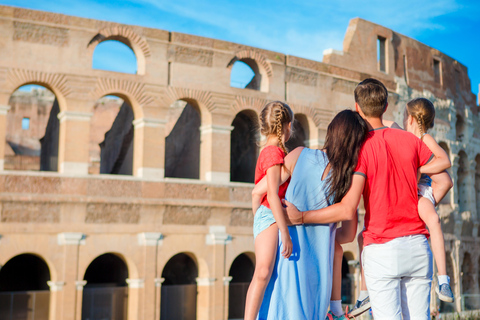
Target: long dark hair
x: 345, y: 137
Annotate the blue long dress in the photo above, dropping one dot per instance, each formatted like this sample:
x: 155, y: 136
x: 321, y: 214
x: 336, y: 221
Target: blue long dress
x: 301, y: 286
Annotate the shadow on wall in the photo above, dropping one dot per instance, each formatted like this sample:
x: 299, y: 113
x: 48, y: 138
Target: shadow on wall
x: 116, y: 155
x: 182, y: 145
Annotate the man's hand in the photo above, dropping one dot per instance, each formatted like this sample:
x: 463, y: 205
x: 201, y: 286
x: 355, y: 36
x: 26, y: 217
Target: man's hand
x: 293, y: 215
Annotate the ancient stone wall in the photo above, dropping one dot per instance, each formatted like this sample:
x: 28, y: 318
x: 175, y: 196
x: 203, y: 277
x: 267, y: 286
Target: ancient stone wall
x: 70, y: 217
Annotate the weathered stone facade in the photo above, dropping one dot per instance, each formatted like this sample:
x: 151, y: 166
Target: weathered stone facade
x: 72, y: 217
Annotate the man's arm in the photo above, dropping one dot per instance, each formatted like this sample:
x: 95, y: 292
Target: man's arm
x: 344, y: 210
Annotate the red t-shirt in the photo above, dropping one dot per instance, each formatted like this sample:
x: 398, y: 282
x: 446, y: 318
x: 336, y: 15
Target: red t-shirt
x: 389, y: 160
x: 269, y: 157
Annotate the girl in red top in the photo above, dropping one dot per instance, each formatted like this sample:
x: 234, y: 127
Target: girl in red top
x: 275, y: 124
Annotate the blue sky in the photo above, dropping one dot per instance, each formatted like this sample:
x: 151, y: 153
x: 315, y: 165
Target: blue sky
x: 301, y: 28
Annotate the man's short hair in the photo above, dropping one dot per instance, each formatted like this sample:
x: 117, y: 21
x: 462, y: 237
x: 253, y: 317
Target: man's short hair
x: 371, y: 95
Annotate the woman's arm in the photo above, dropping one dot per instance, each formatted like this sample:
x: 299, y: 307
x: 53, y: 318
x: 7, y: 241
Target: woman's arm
x: 347, y: 232
x: 441, y: 161
x: 341, y: 211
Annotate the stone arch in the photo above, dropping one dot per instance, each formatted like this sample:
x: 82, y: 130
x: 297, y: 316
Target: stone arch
x: 111, y: 141
x: 127, y: 36
x: 460, y: 126
x: 179, y: 288
x: 259, y: 65
x: 131, y: 91
x: 182, y: 140
x: 51, y: 267
x: 201, y: 99
x: 248, y: 103
x: 131, y: 266
x: 57, y: 83
x: 462, y: 181
x: 34, y: 146
x: 244, y: 146
x: 447, y: 199
x: 477, y: 184
x: 105, y: 293
x: 24, y: 286
x: 33, y: 256
x: 241, y: 273
x: 300, y: 134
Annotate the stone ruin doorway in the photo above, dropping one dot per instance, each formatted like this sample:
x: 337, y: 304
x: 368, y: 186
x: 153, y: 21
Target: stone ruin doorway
x: 182, y: 142
x: 105, y: 295
x: 32, y: 130
x: 24, y: 292
x: 111, y: 143
x: 179, y: 289
x: 244, y: 147
x: 241, y: 272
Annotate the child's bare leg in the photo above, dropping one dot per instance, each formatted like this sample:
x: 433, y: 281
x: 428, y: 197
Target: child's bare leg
x: 266, y: 245
x: 363, y: 285
x: 336, y: 298
x: 427, y: 213
x: 441, y: 184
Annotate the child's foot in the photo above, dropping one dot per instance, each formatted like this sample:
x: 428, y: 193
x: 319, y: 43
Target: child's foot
x: 360, y: 307
x: 445, y: 292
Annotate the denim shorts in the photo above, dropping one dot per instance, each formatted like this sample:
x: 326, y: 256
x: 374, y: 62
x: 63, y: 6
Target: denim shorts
x: 262, y: 220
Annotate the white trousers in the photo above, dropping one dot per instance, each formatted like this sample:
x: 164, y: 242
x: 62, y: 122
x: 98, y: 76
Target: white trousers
x: 398, y: 275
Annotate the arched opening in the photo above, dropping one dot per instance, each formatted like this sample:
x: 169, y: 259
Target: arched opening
x: 243, y: 74
x: 462, y: 175
x: 114, y: 55
x: 468, y: 285
x: 244, y: 148
x: 241, y: 272
x: 24, y: 290
x: 105, y: 296
x: 347, y: 279
x: 460, y: 128
x: 111, y: 137
x: 477, y: 183
x: 445, y: 306
x: 182, y: 142
x: 32, y: 130
x: 446, y: 199
x: 179, y: 289
x: 300, y: 133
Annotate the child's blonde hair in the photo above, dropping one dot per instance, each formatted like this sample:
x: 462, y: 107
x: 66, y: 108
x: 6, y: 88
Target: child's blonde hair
x: 274, y: 118
x: 423, y: 111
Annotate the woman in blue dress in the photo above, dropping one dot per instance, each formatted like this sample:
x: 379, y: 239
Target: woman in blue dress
x: 300, y: 286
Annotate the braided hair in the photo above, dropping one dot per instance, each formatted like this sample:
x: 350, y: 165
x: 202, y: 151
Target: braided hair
x: 423, y: 111
x: 273, y: 119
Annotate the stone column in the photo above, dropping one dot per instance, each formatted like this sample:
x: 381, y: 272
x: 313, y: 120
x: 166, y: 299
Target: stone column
x: 150, y: 241
x: 472, y: 197
x: 3, y: 133
x: 73, y: 144
x: 135, y: 287
x: 149, y: 148
x: 68, y: 301
x: 226, y: 291
x: 158, y: 297
x: 79, y: 298
x: 205, y: 298
x: 218, y: 239
x: 56, y: 291
x: 215, y: 153
x: 457, y: 269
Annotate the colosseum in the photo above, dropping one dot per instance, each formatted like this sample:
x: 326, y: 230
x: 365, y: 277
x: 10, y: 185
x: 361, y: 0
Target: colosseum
x: 127, y: 196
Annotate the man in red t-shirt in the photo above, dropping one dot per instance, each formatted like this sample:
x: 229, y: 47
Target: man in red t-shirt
x: 397, y: 259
